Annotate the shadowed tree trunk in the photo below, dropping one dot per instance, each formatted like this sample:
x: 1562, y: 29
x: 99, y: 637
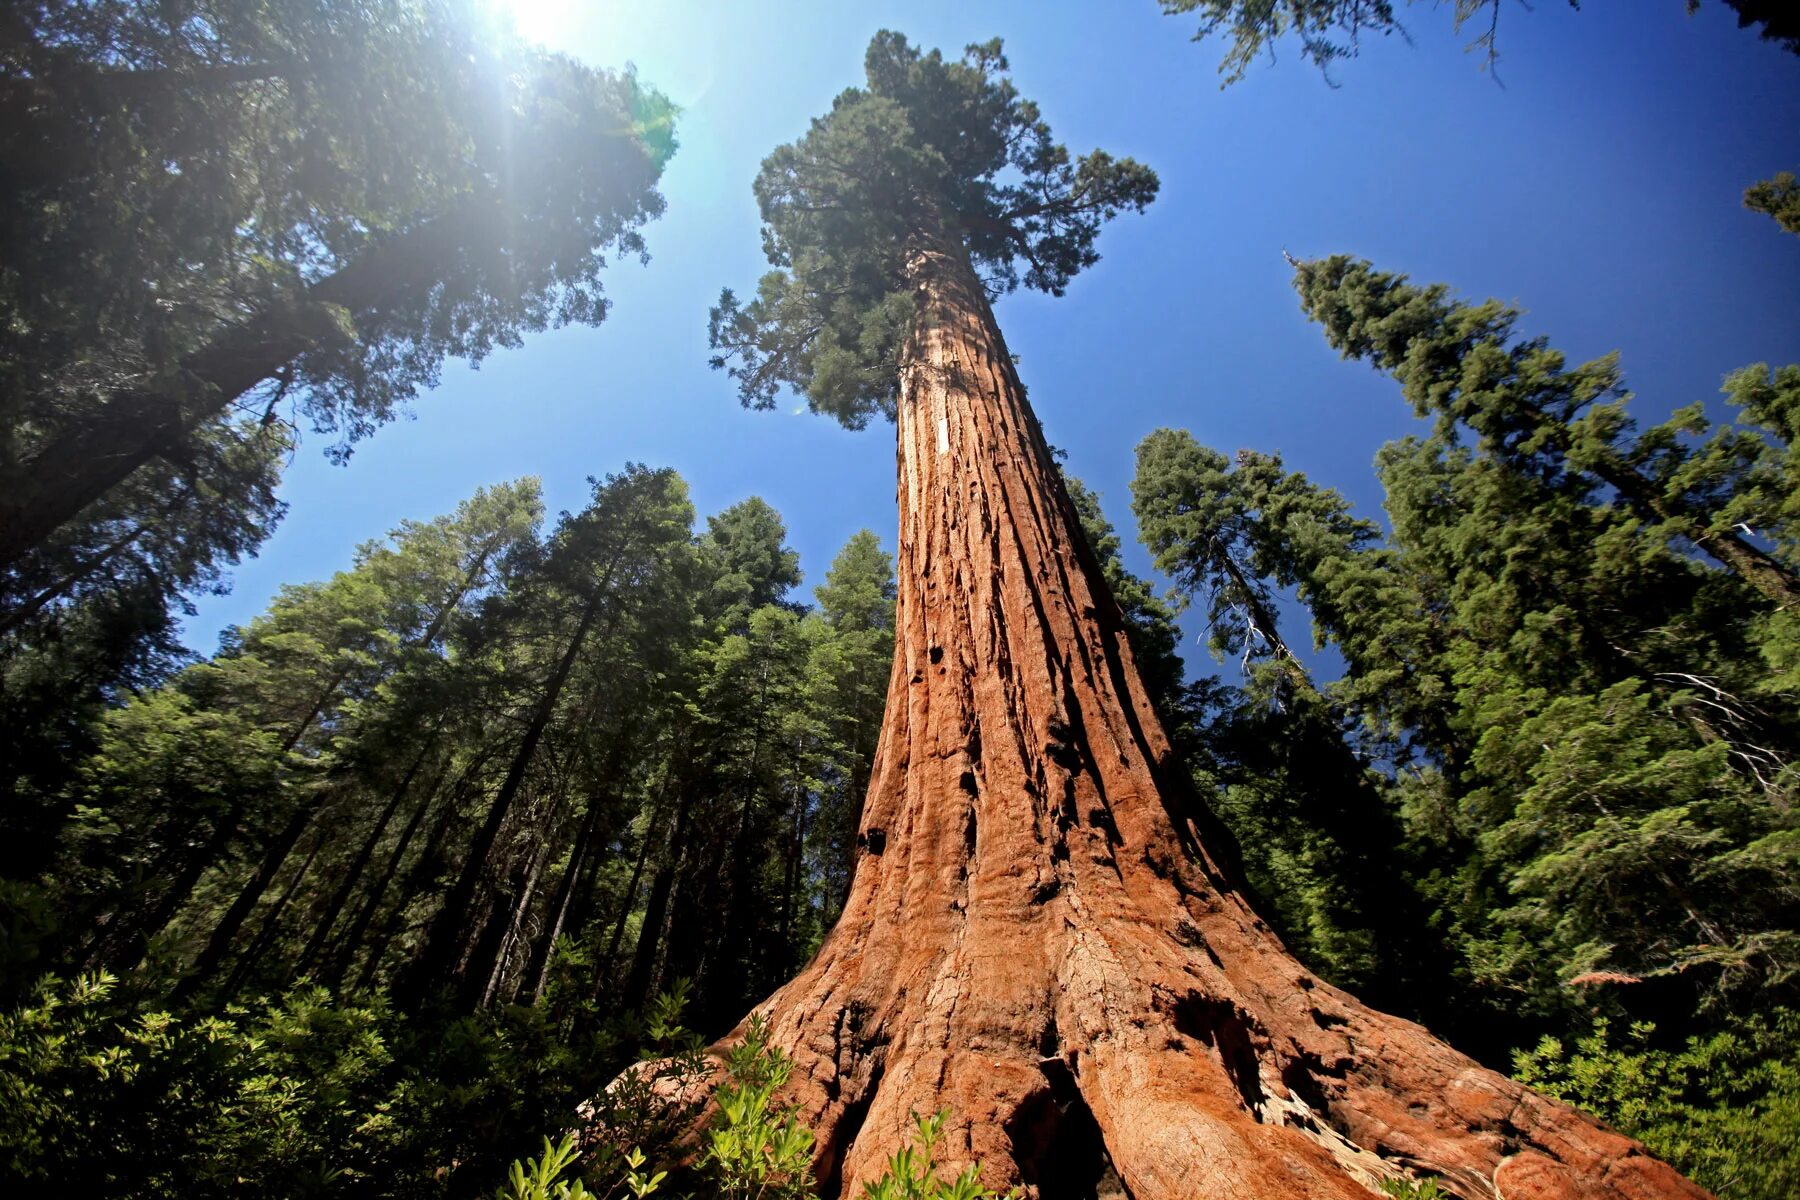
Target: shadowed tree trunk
x: 353, y: 874
x: 652, y: 832
x: 441, y: 959
x: 218, y: 946
x: 418, y: 878
x: 1045, y: 932
x: 271, y: 925
x: 81, y: 464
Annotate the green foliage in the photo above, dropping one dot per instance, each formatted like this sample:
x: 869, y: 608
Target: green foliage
x: 317, y: 1097
x: 927, y: 146
x: 1328, y: 30
x: 1149, y: 623
x: 286, y: 1093
x: 1778, y: 197
x: 1306, y: 810
x: 541, y: 1178
x: 755, y: 1147
x: 1568, y: 669
x: 303, y: 209
x: 484, y: 761
x: 1235, y: 537
x: 1583, y: 659
x: 1332, y: 30
x: 304, y: 135
x: 1723, y: 1108
x: 912, y: 1171
x: 1615, y: 832
x: 848, y: 672
x: 1414, y: 1189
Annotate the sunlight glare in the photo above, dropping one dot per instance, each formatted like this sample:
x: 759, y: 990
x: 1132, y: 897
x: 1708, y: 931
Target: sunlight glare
x: 541, y: 21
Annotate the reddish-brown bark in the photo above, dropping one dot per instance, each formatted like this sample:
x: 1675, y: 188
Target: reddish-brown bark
x: 1041, y: 925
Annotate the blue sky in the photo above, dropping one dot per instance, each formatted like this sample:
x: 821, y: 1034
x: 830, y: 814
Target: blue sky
x: 1598, y: 188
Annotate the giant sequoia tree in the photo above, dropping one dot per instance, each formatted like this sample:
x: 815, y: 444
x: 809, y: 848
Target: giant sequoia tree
x: 1045, y: 932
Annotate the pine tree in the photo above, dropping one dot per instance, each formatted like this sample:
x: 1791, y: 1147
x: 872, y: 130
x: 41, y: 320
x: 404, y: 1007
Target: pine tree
x: 602, y: 566
x: 1307, y: 806
x: 1777, y: 197
x: 1607, y: 604
x: 856, y: 604
x: 1039, y: 931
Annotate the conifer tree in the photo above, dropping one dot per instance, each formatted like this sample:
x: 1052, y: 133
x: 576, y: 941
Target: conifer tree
x: 856, y: 603
x: 1777, y: 197
x: 1621, y: 596
x: 1044, y: 931
x: 1305, y: 804
x: 1463, y: 365
x: 602, y: 565
x: 1332, y: 30
x: 328, y: 199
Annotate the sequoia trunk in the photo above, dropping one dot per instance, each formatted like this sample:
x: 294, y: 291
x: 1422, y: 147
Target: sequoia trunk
x: 1045, y: 934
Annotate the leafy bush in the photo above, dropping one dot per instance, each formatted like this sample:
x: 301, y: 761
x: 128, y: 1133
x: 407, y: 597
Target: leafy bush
x: 1724, y: 1108
x: 1415, y: 1189
x: 912, y: 1172
x: 756, y: 1148
x: 541, y: 1178
x: 154, y: 1104
x: 299, y: 1095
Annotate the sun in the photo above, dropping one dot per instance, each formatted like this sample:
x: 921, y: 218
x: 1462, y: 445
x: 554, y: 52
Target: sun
x: 543, y: 21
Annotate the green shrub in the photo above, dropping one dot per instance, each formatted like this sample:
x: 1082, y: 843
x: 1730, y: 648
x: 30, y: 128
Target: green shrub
x: 149, y: 1104
x: 541, y: 1178
x: 1415, y: 1189
x: 303, y: 1095
x: 912, y: 1172
x: 756, y: 1148
x: 1723, y: 1109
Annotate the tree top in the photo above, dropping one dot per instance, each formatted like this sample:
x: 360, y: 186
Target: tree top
x: 927, y: 145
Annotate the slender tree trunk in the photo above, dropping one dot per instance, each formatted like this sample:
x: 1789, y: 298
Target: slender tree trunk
x: 271, y: 923
x: 416, y: 878
x: 437, y: 962
x: 490, y: 969
x: 1045, y: 934
x: 218, y: 947
x: 1263, y: 625
x: 470, y: 578
x: 626, y: 901
x: 857, y: 793
x: 733, y: 882
x: 1738, y: 553
x: 642, y: 976
x: 63, y: 586
x: 790, y: 880
x: 354, y: 872
x: 124, y: 948
x: 537, y: 968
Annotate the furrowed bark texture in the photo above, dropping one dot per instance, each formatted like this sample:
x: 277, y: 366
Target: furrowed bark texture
x: 1043, y: 934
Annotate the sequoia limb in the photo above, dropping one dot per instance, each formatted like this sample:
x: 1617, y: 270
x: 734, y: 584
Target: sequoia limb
x: 1044, y: 932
